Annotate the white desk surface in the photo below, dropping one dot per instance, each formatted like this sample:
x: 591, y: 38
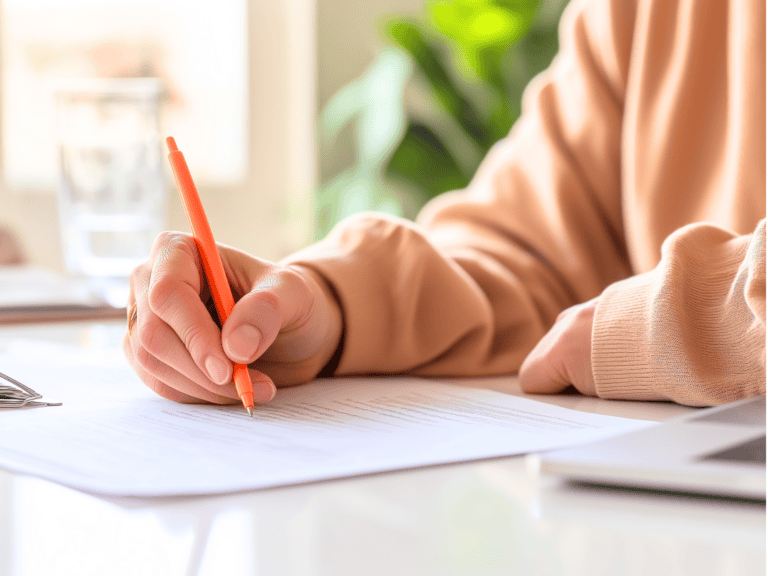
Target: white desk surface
x: 474, y: 519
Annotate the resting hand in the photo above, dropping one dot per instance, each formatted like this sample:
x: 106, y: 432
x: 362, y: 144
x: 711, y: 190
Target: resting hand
x: 563, y: 357
x: 286, y: 324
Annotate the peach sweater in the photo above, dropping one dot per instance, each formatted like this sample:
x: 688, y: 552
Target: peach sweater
x: 636, y: 173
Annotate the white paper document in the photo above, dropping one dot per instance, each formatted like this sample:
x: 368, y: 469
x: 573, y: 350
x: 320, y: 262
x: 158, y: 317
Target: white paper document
x: 112, y: 436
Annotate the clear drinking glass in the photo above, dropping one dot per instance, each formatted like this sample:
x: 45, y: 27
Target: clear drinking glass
x: 111, y: 192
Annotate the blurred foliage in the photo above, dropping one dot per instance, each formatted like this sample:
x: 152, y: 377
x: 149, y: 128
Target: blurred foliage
x: 431, y: 106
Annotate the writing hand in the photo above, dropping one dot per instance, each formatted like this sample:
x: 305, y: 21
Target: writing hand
x: 286, y: 324
x: 563, y: 357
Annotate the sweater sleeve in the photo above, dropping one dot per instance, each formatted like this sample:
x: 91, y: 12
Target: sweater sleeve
x: 472, y: 287
x: 693, y: 329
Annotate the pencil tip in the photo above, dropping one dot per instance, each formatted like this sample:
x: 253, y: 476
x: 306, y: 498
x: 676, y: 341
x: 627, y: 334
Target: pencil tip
x: 171, y: 144
x: 250, y: 411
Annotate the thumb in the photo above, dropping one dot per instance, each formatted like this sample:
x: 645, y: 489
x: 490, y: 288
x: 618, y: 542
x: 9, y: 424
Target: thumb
x: 252, y: 326
x: 257, y: 318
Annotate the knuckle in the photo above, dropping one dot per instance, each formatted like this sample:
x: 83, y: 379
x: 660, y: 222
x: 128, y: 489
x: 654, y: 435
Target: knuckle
x: 138, y: 275
x: 144, y: 358
x: 270, y: 300
x: 296, y: 281
x: 160, y: 294
x: 270, y: 279
x: 174, y: 268
x: 165, y: 239
x: 169, y: 242
x: 194, y: 339
x: 292, y: 276
x: 161, y: 241
x: 150, y: 334
x: 264, y: 295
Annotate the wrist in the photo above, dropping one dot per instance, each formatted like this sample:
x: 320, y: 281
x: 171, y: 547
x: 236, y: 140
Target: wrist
x: 329, y: 315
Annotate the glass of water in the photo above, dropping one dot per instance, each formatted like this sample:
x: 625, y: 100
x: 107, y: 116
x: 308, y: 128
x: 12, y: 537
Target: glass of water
x: 111, y: 189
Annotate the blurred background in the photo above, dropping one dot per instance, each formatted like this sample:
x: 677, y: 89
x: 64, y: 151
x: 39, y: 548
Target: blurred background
x: 292, y: 114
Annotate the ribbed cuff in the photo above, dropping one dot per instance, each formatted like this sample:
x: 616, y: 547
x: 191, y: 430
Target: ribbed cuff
x: 621, y: 341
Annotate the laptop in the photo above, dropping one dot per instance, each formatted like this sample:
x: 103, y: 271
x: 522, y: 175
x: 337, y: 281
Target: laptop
x: 714, y: 451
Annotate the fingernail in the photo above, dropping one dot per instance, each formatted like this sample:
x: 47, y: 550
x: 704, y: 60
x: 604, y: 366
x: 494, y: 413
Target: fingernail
x: 218, y: 371
x: 243, y: 342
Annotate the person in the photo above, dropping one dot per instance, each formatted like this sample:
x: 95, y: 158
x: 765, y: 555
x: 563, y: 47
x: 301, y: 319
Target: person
x: 614, y: 241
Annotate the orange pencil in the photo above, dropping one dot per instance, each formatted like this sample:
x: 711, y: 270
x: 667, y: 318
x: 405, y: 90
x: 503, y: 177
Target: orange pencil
x: 209, y: 254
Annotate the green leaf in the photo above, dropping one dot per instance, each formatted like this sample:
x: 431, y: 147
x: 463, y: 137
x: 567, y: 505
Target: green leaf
x: 481, y: 30
x: 474, y: 24
x: 473, y: 58
x: 422, y: 160
x: 410, y: 38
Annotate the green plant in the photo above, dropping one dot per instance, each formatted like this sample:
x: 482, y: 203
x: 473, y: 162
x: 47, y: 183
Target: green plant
x: 428, y: 110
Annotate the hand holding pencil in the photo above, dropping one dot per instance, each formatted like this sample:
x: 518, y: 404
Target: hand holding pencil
x: 281, y: 326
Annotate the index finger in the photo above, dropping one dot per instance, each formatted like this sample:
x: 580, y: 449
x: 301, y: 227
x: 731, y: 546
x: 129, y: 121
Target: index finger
x: 175, y: 286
